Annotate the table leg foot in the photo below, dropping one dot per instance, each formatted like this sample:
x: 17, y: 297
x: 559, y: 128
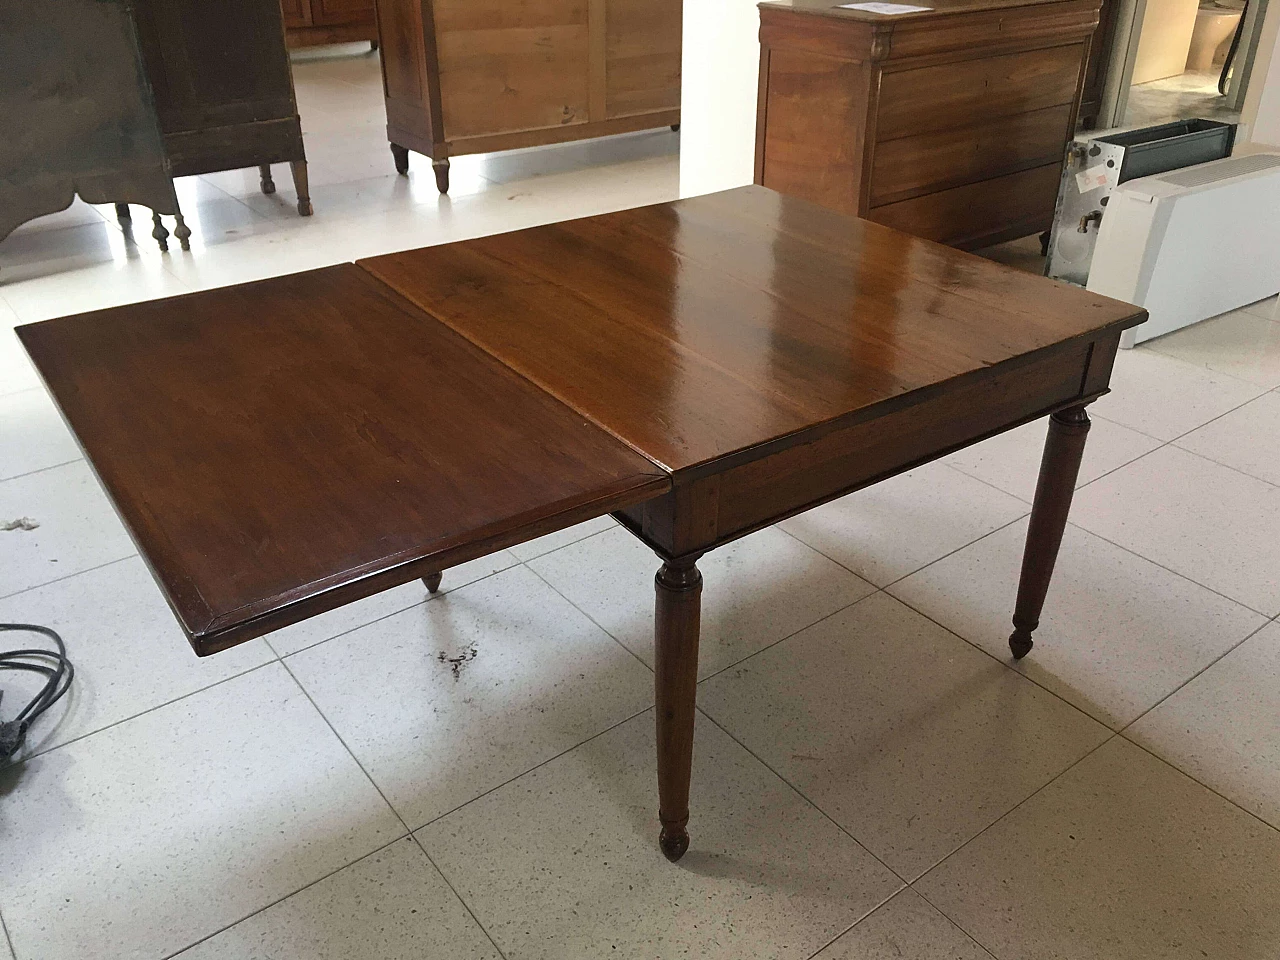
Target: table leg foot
x: 182, y: 232
x: 265, y: 179
x: 301, y: 186
x: 432, y: 580
x: 159, y: 233
x: 441, y: 168
x: 678, y: 588
x: 1059, y: 468
x: 401, y: 157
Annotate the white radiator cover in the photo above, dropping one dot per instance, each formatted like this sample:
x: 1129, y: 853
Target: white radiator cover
x: 1193, y: 243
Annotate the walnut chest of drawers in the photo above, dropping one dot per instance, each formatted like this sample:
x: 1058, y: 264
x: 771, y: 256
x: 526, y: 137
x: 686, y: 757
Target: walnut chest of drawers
x: 949, y: 123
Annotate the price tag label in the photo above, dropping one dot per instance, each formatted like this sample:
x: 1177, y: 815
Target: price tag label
x: 1091, y: 178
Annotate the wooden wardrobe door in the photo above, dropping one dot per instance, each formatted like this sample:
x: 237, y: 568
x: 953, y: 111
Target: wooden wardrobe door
x: 642, y: 56
x: 507, y: 66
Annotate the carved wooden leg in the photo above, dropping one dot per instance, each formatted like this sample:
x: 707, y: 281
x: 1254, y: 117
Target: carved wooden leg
x: 268, y: 184
x: 1059, y: 469
x: 159, y: 232
x: 401, y: 156
x: 182, y: 231
x: 676, y: 624
x: 300, y: 187
x: 432, y: 580
x: 441, y: 170
x: 122, y: 212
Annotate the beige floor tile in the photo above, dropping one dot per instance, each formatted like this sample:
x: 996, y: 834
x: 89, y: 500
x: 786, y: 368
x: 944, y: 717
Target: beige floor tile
x: 16, y: 372
x: 905, y: 928
x: 452, y: 698
x: 562, y: 538
x: 563, y: 863
x: 890, y: 529
x: 905, y: 735
x: 135, y: 273
x: 392, y: 905
x: 755, y: 591
x: 344, y: 619
x: 129, y: 653
x: 1219, y: 527
x: 1123, y: 857
x: 32, y: 434
x: 78, y: 528
x: 143, y: 838
x: 1239, y: 343
x: 1164, y: 397
x: 1265, y: 308
x: 1011, y: 461
x: 1117, y: 635
x: 1223, y: 728
x: 1247, y: 438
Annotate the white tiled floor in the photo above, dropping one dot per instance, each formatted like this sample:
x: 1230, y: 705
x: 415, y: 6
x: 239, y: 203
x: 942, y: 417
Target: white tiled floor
x: 873, y: 778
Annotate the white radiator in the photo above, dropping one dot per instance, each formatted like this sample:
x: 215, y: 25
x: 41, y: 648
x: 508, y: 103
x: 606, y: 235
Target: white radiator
x: 1193, y: 243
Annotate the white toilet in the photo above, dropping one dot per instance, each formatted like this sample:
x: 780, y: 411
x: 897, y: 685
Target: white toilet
x: 1215, y: 25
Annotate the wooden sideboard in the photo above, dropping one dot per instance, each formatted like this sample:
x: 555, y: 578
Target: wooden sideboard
x: 474, y: 76
x: 223, y: 87
x: 949, y: 124
x: 311, y: 22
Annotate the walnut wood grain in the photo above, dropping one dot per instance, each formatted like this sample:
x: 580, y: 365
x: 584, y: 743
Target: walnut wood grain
x: 282, y: 447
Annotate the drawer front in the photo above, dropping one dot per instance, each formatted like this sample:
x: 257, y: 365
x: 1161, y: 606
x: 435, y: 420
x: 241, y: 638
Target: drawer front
x: 1049, y: 22
x: 964, y: 216
x: 911, y: 166
x: 844, y: 459
x: 952, y: 95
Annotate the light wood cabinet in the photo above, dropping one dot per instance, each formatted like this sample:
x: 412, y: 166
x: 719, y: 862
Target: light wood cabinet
x: 473, y: 76
x: 949, y: 124
x: 311, y: 22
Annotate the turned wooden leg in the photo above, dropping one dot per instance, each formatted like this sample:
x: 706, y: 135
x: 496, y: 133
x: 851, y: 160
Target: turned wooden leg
x: 432, y: 580
x: 182, y: 231
x: 300, y: 187
x: 268, y: 184
x: 676, y: 623
x: 122, y: 212
x: 159, y: 232
x: 1059, y: 469
x: 441, y: 170
x: 401, y: 156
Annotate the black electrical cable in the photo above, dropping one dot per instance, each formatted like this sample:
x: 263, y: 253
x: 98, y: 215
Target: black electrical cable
x: 52, y: 664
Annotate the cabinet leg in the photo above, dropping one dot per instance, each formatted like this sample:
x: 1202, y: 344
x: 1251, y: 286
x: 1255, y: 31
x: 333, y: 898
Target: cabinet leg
x: 268, y: 184
x: 182, y: 231
x: 432, y: 580
x: 678, y: 587
x: 441, y: 170
x: 675, y: 128
x: 401, y: 156
x: 159, y: 232
x: 122, y: 213
x: 1059, y: 468
x: 300, y: 187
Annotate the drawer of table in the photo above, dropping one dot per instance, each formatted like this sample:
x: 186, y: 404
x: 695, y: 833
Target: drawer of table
x: 950, y: 95
x: 1004, y: 205
x: 929, y: 162
x: 776, y: 486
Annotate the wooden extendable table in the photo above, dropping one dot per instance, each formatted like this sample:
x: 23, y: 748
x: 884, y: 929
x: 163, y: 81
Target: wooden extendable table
x: 699, y: 369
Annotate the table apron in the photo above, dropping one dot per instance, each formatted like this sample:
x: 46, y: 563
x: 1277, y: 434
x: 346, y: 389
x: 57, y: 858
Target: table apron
x: 715, y: 508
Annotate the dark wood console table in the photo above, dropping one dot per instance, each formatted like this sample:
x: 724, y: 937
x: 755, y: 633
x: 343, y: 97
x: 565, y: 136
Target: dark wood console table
x: 700, y: 369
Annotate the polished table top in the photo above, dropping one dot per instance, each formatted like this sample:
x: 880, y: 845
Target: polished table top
x: 283, y: 447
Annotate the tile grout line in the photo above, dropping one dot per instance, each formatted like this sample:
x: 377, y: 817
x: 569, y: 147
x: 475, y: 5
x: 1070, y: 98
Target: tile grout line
x: 279, y: 900
x: 452, y: 889
x: 32, y: 473
x: 7, y: 939
x: 856, y: 922
x: 37, y: 586
x: 826, y: 816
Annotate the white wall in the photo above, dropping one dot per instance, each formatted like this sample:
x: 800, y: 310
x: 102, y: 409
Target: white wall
x: 1262, y: 101
x: 720, y: 72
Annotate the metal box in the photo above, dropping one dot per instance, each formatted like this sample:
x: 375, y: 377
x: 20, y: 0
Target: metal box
x: 1095, y: 167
